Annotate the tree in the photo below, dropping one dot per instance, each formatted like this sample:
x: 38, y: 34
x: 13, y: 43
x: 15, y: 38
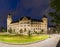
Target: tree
x: 21, y: 31
x: 3, y: 29
x: 35, y: 32
x: 10, y: 30
x: 55, y: 4
x: 41, y: 31
x: 25, y: 30
x: 29, y: 33
x: 14, y: 31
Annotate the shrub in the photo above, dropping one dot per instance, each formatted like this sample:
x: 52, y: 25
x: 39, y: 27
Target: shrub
x: 25, y: 30
x: 29, y: 33
x: 3, y: 29
x: 41, y: 31
x: 10, y: 30
x: 21, y: 31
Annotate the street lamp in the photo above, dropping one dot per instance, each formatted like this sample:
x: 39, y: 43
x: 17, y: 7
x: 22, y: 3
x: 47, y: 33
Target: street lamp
x: 49, y: 32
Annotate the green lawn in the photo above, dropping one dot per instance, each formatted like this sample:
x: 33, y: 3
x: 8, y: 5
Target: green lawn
x: 17, y: 39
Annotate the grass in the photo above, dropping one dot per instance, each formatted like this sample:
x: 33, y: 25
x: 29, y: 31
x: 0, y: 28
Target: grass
x: 17, y: 39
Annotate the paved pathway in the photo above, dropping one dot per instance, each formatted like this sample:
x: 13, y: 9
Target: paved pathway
x: 50, y: 42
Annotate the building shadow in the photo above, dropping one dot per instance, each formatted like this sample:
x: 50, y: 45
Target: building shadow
x: 58, y: 45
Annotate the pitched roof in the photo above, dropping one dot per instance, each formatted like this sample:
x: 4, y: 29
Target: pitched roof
x: 35, y: 20
x: 15, y: 21
x: 44, y: 16
x: 26, y: 17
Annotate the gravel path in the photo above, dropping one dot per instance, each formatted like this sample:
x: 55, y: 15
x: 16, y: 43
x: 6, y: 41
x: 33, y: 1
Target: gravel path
x: 50, y: 42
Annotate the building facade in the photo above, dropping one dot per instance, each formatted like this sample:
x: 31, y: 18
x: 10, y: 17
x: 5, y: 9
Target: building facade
x: 27, y: 24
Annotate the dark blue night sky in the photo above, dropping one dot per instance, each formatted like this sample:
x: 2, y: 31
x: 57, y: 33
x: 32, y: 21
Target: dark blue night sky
x: 19, y: 8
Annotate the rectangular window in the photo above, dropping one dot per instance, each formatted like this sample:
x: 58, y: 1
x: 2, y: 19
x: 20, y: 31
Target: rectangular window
x: 28, y: 25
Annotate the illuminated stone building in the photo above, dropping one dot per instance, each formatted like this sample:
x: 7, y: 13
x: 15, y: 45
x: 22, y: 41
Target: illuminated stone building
x: 27, y: 24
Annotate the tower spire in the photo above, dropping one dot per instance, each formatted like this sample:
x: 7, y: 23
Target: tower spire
x: 9, y: 15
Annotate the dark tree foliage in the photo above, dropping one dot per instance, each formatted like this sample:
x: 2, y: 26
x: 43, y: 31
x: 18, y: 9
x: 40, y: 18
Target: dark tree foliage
x: 29, y: 33
x: 3, y: 29
x: 55, y: 4
x: 21, y: 31
x: 25, y: 30
x: 10, y: 30
x: 55, y: 17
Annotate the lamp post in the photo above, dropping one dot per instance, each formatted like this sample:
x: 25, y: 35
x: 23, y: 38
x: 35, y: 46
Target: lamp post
x: 49, y: 32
